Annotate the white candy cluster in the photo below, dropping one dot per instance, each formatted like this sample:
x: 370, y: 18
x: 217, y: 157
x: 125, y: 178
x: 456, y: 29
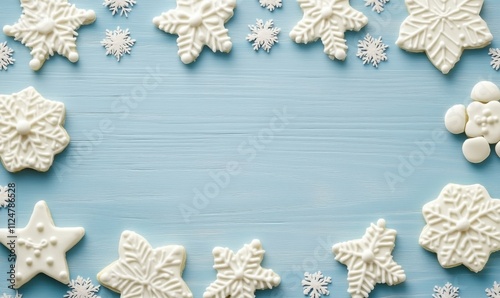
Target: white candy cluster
x: 480, y: 121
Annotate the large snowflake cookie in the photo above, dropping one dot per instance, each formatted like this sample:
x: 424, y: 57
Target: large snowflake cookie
x: 443, y: 29
x: 463, y: 226
x: 328, y: 20
x: 240, y: 274
x: 32, y: 130
x: 48, y: 27
x: 40, y: 247
x: 198, y: 23
x: 480, y: 121
x: 142, y: 271
x: 369, y: 260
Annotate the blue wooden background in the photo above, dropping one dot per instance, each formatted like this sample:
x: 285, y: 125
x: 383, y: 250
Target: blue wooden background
x: 140, y: 152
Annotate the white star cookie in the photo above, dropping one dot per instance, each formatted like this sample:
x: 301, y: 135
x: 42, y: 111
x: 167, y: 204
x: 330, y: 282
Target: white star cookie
x: 41, y: 247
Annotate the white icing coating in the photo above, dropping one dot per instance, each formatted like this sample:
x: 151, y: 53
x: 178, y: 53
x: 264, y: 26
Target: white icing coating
x: 485, y: 91
x: 48, y: 27
x: 154, y: 273
x: 198, y: 23
x: 369, y: 260
x: 32, y: 130
x: 455, y: 119
x: 328, y: 20
x: 443, y: 29
x: 497, y: 149
x: 463, y: 226
x: 36, y: 253
x: 240, y: 274
x: 476, y: 150
x: 484, y: 120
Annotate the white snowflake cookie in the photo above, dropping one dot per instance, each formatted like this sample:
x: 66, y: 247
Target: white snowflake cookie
x: 41, y: 247
x: 448, y: 291
x: 17, y: 295
x: 328, y: 20
x: 124, y: 6
x: 493, y: 292
x: 32, y: 130
x: 271, y: 4
x: 443, y: 30
x: 240, y: 274
x: 372, y: 50
x: 198, y: 23
x: 377, y: 5
x: 369, y: 260
x: 463, y: 226
x: 142, y: 271
x: 118, y: 43
x: 263, y: 35
x: 315, y: 285
x: 82, y: 288
x: 6, y: 56
x: 48, y: 27
x: 495, y: 58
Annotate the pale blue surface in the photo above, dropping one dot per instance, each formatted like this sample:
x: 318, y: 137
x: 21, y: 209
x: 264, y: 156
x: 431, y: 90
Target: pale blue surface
x: 318, y: 182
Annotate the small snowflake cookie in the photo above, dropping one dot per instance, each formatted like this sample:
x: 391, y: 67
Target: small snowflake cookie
x: 6, y: 56
x: 377, y: 5
x: 124, y: 6
x: 443, y: 30
x: 82, y: 288
x: 118, y: 43
x: 32, y: 130
x: 369, y: 260
x: 17, y: 295
x: 198, y: 23
x: 48, y: 27
x: 328, y: 20
x: 480, y: 121
x: 270, y: 4
x: 240, y: 274
x: 263, y: 35
x: 316, y: 284
x: 41, y: 247
x: 448, y: 291
x: 493, y: 292
x: 495, y: 58
x: 154, y: 273
x: 463, y: 226
x: 372, y: 50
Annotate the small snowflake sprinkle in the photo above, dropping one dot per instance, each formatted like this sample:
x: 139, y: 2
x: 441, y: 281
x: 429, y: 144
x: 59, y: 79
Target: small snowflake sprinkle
x: 372, y: 50
x: 263, y: 35
x: 377, y: 5
x: 493, y: 292
x: 82, y: 288
x: 5, y: 56
x: 118, y: 42
x: 316, y: 284
x: 124, y: 5
x: 10, y: 296
x: 495, y: 58
x: 4, y: 196
x: 448, y: 291
x: 270, y: 4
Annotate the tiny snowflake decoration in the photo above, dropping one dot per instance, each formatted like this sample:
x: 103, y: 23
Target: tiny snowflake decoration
x: 263, y: 35
x: 125, y: 6
x: 5, y: 56
x: 4, y: 196
x: 493, y: 292
x: 270, y: 4
x: 448, y: 291
x: 495, y: 58
x: 377, y: 5
x: 10, y: 296
x: 82, y: 288
x: 118, y: 42
x: 372, y: 50
x: 316, y: 284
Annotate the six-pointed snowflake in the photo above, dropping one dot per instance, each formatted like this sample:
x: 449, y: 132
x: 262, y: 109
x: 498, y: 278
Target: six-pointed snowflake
x: 82, y: 288
x: 198, y: 23
x: 369, y: 260
x: 495, y: 58
x: 493, y: 292
x: 5, y: 56
x: 118, y: 42
x: 448, y: 291
x: 48, y: 27
x: 328, y: 20
x: 372, y: 50
x: 315, y: 285
x: 443, y: 29
x: 463, y: 226
x: 377, y: 5
x: 125, y: 6
x: 10, y: 296
x: 270, y: 4
x: 263, y: 35
x: 4, y: 196
x: 240, y: 274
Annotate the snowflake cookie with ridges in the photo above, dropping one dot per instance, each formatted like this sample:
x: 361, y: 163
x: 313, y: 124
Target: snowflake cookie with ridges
x: 493, y: 292
x: 82, y: 288
x: 271, y: 4
x: 463, y: 226
x: 377, y: 5
x: 372, y: 50
x: 48, y: 27
x: 448, y: 291
x: 443, y: 30
x: 32, y: 130
x: 369, y: 260
x: 6, y: 56
x: 316, y: 284
x: 263, y: 35
x: 142, y: 271
x: 328, y: 20
x: 118, y: 42
x: 495, y: 58
x: 240, y: 274
x: 124, y: 6
x: 198, y: 23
